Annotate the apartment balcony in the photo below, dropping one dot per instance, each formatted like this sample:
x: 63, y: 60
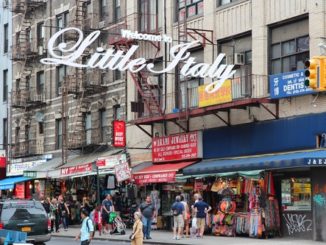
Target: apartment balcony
x: 76, y: 140
x: 26, y: 6
x: 25, y: 148
x: 247, y: 91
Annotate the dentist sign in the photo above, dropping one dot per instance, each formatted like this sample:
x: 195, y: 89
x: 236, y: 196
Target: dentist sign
x: 113, y: 59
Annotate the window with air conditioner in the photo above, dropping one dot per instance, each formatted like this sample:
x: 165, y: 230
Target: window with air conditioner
x: 40, y: 37
x: 61, y: 72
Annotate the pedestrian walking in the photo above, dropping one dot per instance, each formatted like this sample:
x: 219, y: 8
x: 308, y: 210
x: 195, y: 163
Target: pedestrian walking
x: 55, y: 210
x: 186, y: 216
x: 137, y: 236
x: 63, y: 212
x: 107, y: 208
x: 201, y: 210
x: 147, y: 210
x: 87, y: 229
x: 97, y: 219
x: 178, y: 212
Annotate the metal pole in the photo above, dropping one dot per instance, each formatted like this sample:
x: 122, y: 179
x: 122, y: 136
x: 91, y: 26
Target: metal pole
x: 98, y: 186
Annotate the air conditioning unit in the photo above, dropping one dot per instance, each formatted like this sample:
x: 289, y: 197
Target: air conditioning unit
x: 101, y: 24
x: 152, y: 80
x: 40, y: 50
x: 239, y: 59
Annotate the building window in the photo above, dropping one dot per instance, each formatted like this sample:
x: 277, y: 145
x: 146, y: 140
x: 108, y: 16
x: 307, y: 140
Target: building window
x: 62, y: 22
x: 88, y: 128
x: 150, y: 19
x: 40, y: 82
x: 103, y: 125
x: 5, y: 133
x: 58, y: 129
x: 296, y: 194
x: 289, y: 55
x: 189, y: 8
x: 103, y: 9
x: 40, y: 34
x: 61, y: 73
x: 40, y: 127
x: 117, y: 74
x: 5, y: 38
x: 5, y: 85
x: 117, y: 112
x: 224, y: 2
x: 117, y: 10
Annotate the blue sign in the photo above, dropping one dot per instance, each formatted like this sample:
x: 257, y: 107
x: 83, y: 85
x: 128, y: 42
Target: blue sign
x: 288, y: 84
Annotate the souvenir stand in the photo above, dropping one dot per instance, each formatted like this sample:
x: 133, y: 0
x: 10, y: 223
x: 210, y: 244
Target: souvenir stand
x: 247, y: 207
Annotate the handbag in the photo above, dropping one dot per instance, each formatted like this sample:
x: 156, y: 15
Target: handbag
x: 131, y: 237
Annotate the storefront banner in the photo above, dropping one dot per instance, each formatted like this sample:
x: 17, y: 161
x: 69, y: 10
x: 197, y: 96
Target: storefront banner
x: 20, y: 190
x: 119, y: 133
x: 14, y: 169
x: 288, y: 84
x: 3, y: 162
x: 122, y: 172
x: 110, y: 162
x: 199, y: 185
x: 80, y: 169
x: 166, y: 177
x: 315, y: 161
x: 177, y: 147
x: 223, y: 95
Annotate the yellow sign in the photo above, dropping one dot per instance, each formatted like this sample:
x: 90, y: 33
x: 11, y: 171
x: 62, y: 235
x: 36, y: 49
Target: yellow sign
x: 223, y: 95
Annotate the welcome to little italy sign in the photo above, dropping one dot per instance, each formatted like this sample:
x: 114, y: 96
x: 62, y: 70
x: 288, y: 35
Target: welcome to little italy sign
x: 113, y: 59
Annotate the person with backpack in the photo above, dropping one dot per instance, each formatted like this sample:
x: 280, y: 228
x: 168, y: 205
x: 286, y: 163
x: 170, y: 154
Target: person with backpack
x: 87, y: 230
x: 178, y: 212
x: 63, y: 212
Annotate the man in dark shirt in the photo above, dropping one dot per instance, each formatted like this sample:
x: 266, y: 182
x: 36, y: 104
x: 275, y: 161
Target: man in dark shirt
x: 201, y: 209
x: 147, y: 210
x: 178, y: 211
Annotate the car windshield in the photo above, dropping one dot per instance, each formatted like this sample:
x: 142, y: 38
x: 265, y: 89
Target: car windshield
x: 23, y: 211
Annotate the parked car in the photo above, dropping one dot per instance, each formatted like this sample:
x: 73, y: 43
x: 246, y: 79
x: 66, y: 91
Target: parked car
x: 27, y: 216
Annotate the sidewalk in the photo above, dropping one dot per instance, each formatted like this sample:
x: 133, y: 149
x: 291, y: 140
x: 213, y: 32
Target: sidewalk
x: 164, y: 237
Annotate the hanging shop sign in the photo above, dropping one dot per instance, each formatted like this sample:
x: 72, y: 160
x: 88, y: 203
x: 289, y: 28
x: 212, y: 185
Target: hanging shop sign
x: 119, y: 133
x: 288, y: 84
x: 80, y: 169
x: 166, y: 177
x: 122, y: 172
x: 177, y: 147
x: 223, y: 95
x: 110, y: 162
x: 115, y: 59
x: 14, y: 169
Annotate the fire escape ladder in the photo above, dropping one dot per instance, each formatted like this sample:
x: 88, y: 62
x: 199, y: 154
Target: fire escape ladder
x: 147, y: 92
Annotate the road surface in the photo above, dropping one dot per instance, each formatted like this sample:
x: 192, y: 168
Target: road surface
x: 69, y: 241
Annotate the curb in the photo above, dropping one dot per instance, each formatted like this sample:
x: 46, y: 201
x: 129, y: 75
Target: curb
x: 121, y: 240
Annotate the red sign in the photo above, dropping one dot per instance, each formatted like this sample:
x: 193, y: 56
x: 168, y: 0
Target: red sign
x: 177, y: 147
x: 2, y: 162
x: 20, y: 190
x: 165, y: 177
x: 122, y: 172
x: 119, y: 133
x: 80, y: 169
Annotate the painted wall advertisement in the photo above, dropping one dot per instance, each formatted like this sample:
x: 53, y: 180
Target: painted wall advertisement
x: 177, y: 147
x: 223, y: 95
x: 288, y: 84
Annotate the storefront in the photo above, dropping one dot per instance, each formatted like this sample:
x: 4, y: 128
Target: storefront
x: 170, y: 155
x: 28, y: 187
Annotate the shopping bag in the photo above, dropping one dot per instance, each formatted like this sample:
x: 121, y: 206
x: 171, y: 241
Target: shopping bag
x: 194, y: 222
